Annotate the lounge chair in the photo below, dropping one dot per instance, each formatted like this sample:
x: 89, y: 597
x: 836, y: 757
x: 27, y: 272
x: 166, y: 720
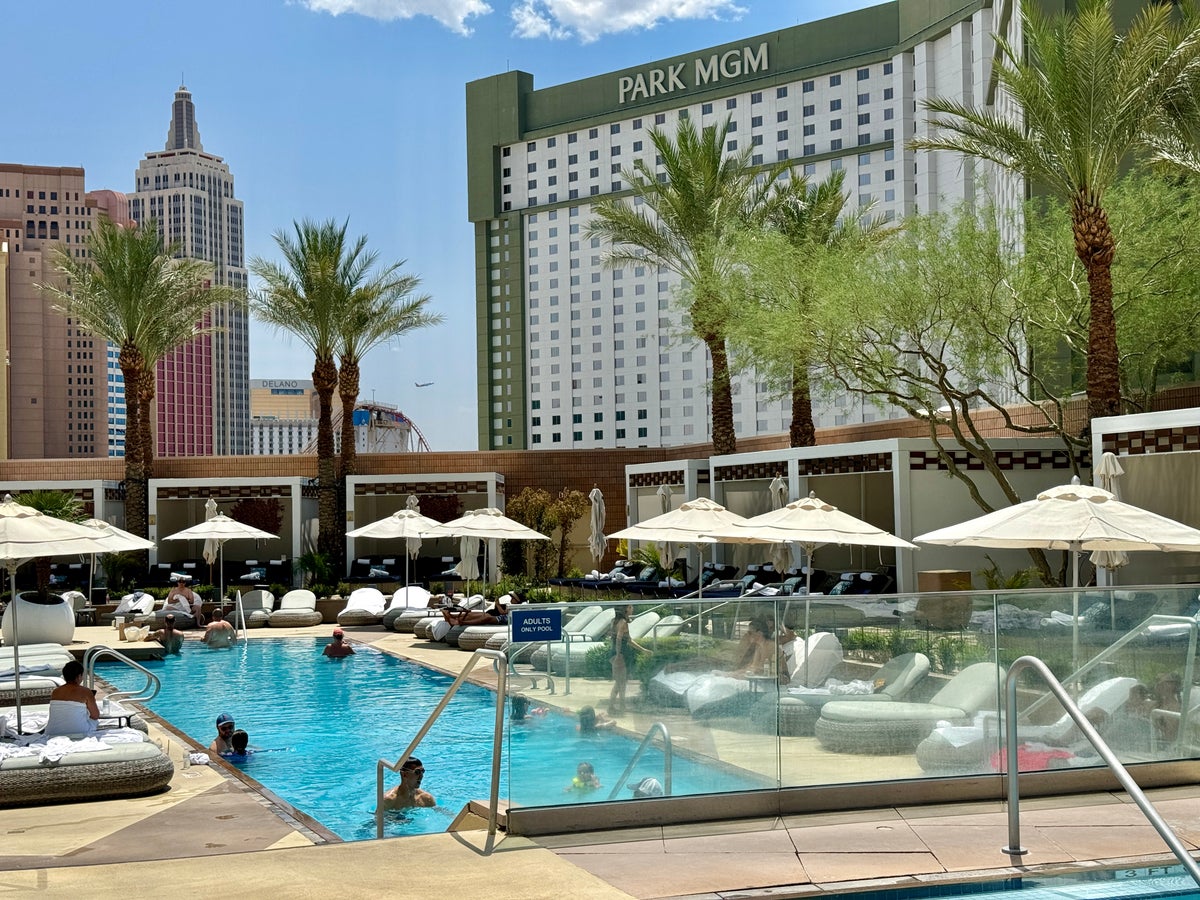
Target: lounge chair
x: 897, y: 727
x: 961, y: 749
x: 432, y: 626
x: 798, y: 708
x: 363, y: 607
x: 297, y: 609
x: 119, y: 770
x: 553, y: 657
x: 404, y: 600
x: 132, y: 606
x: 41, y: 667
x: 257, y: 606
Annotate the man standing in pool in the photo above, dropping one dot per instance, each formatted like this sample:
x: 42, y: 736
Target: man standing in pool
x: 408, y: 792
x: 219, y: 633
x: 171, y: 639
x: 338, y: 648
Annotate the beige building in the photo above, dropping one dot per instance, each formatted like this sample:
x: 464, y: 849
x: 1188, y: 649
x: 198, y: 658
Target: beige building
x: 56, y: 387
x: 282, y: 398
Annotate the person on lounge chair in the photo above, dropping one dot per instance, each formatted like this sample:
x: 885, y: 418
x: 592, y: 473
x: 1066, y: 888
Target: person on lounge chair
x: 184, y: 600
x: 497, y: 615
x: 73, y: 708
x: 408, y: 792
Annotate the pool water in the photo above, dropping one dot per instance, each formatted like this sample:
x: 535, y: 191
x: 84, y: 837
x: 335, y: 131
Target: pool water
x: 321, y: 724
x: 1141, y: 883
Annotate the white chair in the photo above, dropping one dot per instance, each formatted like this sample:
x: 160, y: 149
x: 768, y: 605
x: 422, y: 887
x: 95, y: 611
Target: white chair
x: 297, y: 609
x: 365, y: 606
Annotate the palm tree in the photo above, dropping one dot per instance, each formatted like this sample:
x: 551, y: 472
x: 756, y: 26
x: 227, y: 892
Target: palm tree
x: 809, y: 216
x: 695, y: 205
x: 1089, y: 98
x: 305, y: 296
x: 131, y: 291
x: 377, y: 310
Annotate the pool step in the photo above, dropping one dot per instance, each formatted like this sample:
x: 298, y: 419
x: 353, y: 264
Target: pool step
x: 474, y: 817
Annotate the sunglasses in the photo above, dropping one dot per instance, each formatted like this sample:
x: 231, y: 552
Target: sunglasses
x: 419, y: 770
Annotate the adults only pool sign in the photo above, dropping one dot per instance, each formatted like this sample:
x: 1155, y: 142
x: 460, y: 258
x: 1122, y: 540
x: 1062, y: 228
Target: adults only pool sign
x: 533, y: 625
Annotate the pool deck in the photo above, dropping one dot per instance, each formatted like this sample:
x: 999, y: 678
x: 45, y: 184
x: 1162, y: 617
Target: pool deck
x: 210, y: 831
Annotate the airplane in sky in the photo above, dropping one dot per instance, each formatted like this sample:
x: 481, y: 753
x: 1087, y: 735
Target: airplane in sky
x: 422, y: 383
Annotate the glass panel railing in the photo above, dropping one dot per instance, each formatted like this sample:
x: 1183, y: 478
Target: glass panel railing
x: 876, y: 688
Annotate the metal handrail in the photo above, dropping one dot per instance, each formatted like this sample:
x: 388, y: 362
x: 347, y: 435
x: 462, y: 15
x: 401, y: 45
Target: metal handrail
x: 1012, y: 770
x: 640, y: 752
x: 102, y: 651
x: 500, y: 662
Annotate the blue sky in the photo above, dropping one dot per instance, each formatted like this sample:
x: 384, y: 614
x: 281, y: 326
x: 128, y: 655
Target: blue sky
x: 336, y: 108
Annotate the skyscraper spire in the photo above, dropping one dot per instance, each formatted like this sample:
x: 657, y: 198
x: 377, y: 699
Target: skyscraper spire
x: 183, y: 133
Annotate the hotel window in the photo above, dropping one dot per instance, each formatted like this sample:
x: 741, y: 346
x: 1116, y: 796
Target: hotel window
x: 835, y: 124
x: 756, y: 122
x: 731, y: 103
x: 781, y: 135
x: 835, y: 80
x: 887, y: 68
x: 615, y: 128
x: 810, y: 110
x: 593, y: 133
x: 864, y: 99
x: 888, y: 93
x: 835, y: 144
x: 731, y: 145
x: 781, y: 116
x: 660, y: 118
x: 864, y: 74
x: 810, y: 130
x: 705, y: 109
x: 807, y: 87
x: 780, y: 93
x: 531, y: 146
x: 864, y: 118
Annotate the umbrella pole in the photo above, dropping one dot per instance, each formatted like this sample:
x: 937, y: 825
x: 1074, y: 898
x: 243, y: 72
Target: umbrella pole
x: 1075, y: 610
x: 12, y: 583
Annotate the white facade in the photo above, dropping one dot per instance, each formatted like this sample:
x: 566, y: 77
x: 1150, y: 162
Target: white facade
x: 610, y: 358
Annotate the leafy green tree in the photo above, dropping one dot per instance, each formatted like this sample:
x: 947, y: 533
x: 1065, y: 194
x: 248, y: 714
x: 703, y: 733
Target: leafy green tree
x: 682, y: 218
x: 133, y: 292
x: 305, y: 296
x: 58, y: 505
x: 1090, y: 98
x: 804, y: 221
x: 379, y: 308
x: 1156, y: 227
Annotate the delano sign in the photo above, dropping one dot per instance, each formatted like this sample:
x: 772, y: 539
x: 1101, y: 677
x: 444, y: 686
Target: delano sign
x: 703, y: 71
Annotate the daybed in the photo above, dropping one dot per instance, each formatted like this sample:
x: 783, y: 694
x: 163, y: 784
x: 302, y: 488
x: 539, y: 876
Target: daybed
x: 257, y: 606
x: 297, y: 609
x: 961, y: 749
x: 42, y: 621
x: 117, y: 770
x: 364, y: 607
x: 41, y: 666
x: 132, y: 606
x: 898, y: 727
x: 710, y: 694
x: 404, y: 600
x: 798, y: 708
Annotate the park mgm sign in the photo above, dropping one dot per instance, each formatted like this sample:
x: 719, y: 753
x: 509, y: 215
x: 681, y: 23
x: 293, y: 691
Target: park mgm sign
x: 700, y: 72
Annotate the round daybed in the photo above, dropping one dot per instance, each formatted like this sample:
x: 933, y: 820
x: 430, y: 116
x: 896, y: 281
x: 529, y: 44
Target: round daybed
x: 40, y: 621
x: 476, y: 636
x: 297, y: 609
x: 123, y: 770
x: 453, y: 634
x: 403, y: 620
x: 495, y: 642
x: 421, y: 628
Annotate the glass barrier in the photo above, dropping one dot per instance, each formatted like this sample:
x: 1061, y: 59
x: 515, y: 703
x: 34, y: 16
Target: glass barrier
x: 728, y: 694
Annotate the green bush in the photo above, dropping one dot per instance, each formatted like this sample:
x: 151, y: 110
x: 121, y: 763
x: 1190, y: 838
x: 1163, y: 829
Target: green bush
x: 596, y: 664
x: 278, y: 590
x: 668, y: 650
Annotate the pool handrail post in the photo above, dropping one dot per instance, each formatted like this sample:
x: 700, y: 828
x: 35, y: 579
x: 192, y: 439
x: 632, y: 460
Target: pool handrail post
x: 241, y: 615
x: 381, y: 765
x: 1012, y: 769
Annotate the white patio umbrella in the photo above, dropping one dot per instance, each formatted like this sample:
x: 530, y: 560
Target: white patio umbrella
x: 484, y: 524
x: 812, y: 523
x: 404, y: 524
x: 1108, y: 470
x: 597, y: 542
x: 665, y: 551
x: 781, y: 553
x: 212, y: 547
x: 1074, y: 517
x: 220, y: 528
x: 27, y: 534
x: 692, y: 523
x: 115, y: 540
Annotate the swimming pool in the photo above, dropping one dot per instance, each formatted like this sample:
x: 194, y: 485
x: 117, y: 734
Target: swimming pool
x: 322, y: 724
x: 1140, y: 883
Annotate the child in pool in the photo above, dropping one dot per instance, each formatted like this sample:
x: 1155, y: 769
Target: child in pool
x: 239, y: 743
x: 585, y: 780
x: 522, y: 709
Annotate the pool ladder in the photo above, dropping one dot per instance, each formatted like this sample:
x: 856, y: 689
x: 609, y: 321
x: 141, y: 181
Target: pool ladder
x: 101, y: 651
x: 500, y: 662
x: 1014, y: 847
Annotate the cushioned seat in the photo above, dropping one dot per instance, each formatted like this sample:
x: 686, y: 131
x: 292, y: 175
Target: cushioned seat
x: 406, y: 599
x: 363, y: 607
x: 122, y: 770
x: 898, y: 727
x: 257, y: 606
x: 474, y: 637
x: 297, y: 609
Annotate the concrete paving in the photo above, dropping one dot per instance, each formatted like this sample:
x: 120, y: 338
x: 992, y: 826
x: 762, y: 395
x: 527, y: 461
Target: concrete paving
x: 211, y: 831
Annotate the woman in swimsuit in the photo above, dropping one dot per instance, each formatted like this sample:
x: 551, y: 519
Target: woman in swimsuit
x: 623, y: 646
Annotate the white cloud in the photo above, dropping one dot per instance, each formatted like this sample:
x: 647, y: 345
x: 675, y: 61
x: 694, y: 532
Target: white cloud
x: 589, y: 19
x: 451, y: 13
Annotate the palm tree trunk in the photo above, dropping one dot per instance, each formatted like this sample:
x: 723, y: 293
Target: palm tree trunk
x: 803, y: 431
x: 137, y: 498
x: 724, y: 438
x: 329, y: 539
x: 348, y: 391
x: 1095, y: 247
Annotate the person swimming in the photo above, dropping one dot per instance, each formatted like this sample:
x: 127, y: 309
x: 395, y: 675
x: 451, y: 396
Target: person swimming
x: 585, y: 780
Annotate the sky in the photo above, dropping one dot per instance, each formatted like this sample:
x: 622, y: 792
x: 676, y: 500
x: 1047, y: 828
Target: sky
x: 336, y: 109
